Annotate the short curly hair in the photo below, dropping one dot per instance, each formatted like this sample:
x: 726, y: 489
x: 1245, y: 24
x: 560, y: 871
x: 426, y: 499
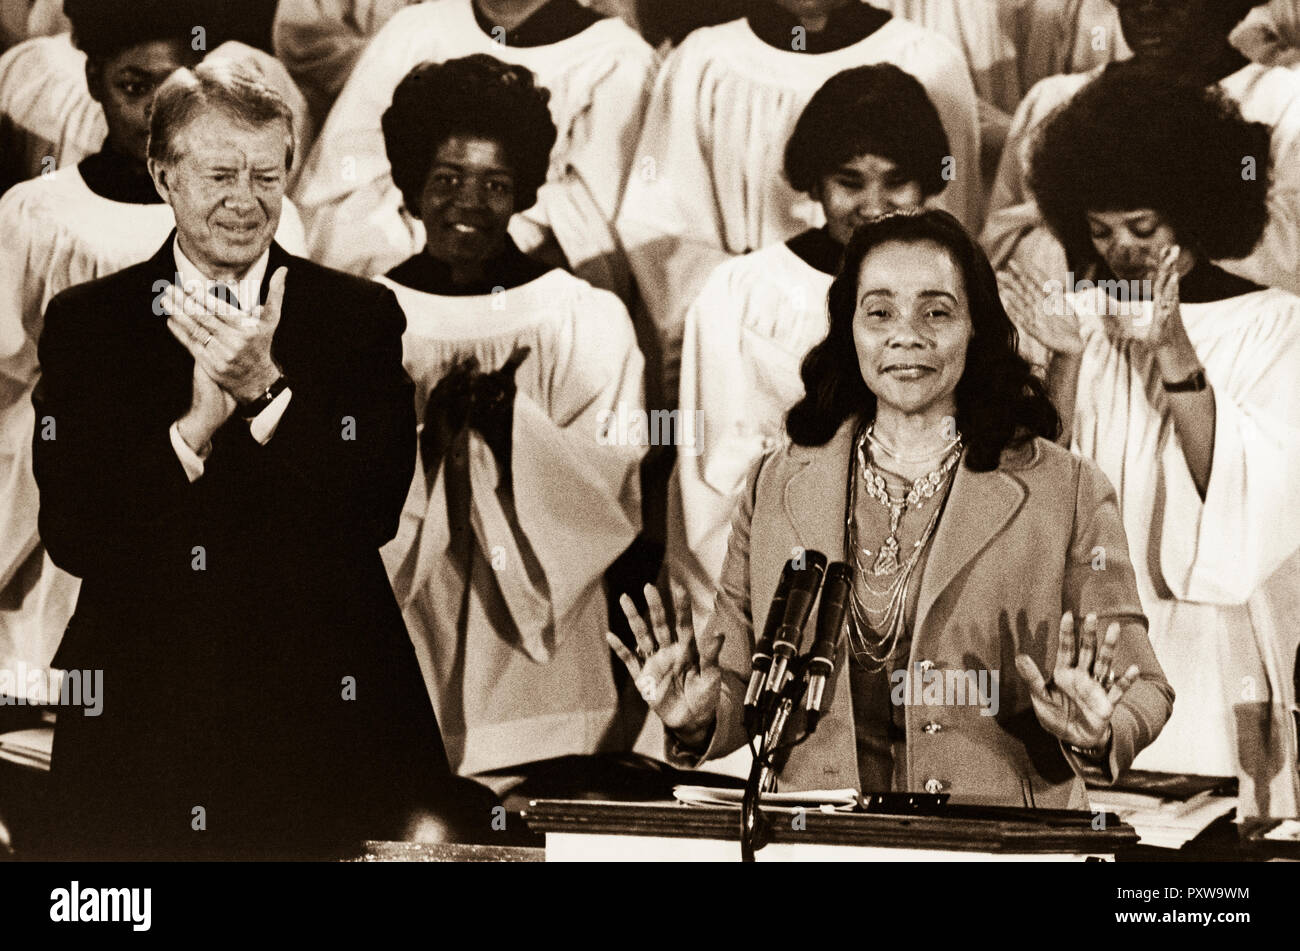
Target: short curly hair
x: 104, y: 28
x: 475, y: 95
x: 869, y: 110
x: 1141, y: 138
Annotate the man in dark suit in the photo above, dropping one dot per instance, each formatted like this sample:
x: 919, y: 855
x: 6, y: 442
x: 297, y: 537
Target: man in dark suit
x: 221, y: 474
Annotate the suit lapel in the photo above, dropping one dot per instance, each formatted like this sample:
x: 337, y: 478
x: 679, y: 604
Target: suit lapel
x: 979, y: 506
x: 815, y: 493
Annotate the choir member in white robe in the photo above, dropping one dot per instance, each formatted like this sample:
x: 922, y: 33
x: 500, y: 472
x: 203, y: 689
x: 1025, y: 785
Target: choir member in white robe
x: 1188, y: 397
x: 48, y: 117
x: 869, y: 142
x: 526, y: 492
x: 1270, y: 34
x: 706, y: 184
x: 1066, y: 36
x: 598, y: 71
x: 319, y: 42
x: 1192, y: 41
x: 72, y: 225
x: 985, y: 33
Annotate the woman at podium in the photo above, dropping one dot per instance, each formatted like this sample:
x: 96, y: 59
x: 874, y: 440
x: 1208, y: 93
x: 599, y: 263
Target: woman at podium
x: 996, y: 649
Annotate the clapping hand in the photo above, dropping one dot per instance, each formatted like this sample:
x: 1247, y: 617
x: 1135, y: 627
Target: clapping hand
x: 234, y: 348
x: 492, y: 402
x: 1049, y: 319
x: 446, y: 412
x: 679, y: 683
x: 1077, y: 704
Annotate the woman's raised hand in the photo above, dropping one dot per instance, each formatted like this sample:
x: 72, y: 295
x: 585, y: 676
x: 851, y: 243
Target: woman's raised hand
x: 1047, y: 317
x: 1076, y: 706
x: 680, y: 684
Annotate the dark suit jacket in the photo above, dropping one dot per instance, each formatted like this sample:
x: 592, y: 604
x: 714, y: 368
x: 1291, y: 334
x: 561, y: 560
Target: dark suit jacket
x: 256, y: 666
x: 1014, y: 549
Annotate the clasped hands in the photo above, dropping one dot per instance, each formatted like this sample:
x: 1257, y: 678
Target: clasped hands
x: 231, y: 351
x: 467, y: 396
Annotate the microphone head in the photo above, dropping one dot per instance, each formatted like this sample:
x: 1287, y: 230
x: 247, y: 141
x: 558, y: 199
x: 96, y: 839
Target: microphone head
x: 804, y: 585
x: 836, y: 592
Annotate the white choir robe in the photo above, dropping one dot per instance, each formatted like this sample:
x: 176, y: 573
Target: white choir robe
x: 58, y: 233
x: 319, y: 42
x: 530, y: 678
x: 1270, y: 34
x: 1066, y: 36
x: 983, y: 30
x: 708, y: 182
x: 599, y: 82
x: 49, y: 120
x: 1220, y: 578
x: 745, y: 337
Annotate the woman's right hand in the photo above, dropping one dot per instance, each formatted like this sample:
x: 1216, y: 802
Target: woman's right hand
x: 680, y: 684
x: 1047, y: 317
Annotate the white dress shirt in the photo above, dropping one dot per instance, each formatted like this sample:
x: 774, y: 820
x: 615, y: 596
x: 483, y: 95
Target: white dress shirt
x: 246, y: 290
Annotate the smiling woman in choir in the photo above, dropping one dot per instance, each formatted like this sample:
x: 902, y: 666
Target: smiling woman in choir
x: 869, y: 142
x: 598, y: 71
x: 706, y: 184
x: 921, y: 458
x: 1190, y: 404
x: 520, y: 503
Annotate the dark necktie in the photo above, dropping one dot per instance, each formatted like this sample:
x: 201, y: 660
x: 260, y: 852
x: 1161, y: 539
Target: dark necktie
x: 223, y: 292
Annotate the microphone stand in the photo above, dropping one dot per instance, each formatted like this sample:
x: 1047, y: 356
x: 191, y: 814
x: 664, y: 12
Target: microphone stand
x: 754, y: 827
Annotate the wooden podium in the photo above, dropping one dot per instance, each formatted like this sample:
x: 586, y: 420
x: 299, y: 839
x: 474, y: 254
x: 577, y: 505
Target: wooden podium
x: 672, y: 832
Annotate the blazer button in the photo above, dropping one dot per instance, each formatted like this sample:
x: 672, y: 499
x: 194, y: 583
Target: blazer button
x: 934, y: 786
x: 926, y: 665
x: 932, y: 727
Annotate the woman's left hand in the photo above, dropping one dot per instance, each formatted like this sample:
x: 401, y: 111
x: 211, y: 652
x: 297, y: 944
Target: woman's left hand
x: 1076, y: 706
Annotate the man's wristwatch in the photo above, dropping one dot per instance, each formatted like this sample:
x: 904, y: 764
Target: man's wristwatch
x: 253, y: 408
x: 1193, y: 384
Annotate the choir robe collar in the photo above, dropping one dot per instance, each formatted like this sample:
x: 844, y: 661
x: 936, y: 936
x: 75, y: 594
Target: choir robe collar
x: 1205, y: 283
x: 117, y: 177
x: 850, y: 24
x: 556, y: 21
x: 425, y: 273
x: 816, y: 248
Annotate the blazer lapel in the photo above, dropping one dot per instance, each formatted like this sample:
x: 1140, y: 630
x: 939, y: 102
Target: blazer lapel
x: 979, y: 506
x: 815, y: 493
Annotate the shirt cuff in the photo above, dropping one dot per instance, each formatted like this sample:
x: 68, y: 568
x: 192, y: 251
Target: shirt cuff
x: 191, y: 461
x: 262, y: 426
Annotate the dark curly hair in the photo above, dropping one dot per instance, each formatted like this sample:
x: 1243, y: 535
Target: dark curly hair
x: 869, y: 110
x: 1000, y: 403
x: 476, y: 95
x: 103, y: 28
x: 1140, y: 138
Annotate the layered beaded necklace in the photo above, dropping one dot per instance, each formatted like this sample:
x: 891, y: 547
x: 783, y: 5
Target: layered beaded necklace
x: 876, y: 632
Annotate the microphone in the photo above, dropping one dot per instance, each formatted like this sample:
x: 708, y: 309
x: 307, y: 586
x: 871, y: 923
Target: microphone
x: 799, y: 601
x: 830, y: 624
x: 761, y: 661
